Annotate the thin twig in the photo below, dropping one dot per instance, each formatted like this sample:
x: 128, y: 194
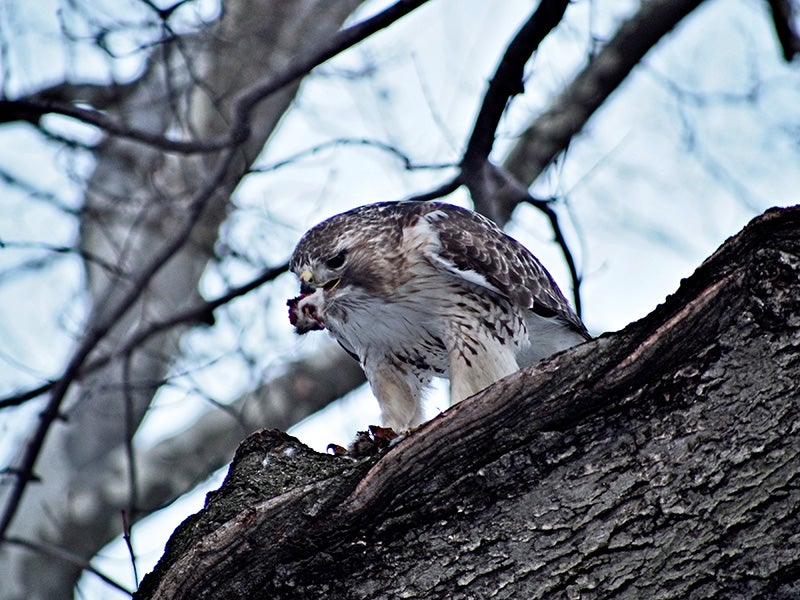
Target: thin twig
x: 126, y: 535
x: 408, y: 163
x: 545, y: 207
x: 445, y: 189
x: 33, y: 109
x: 87, y: 256
x: 67, y: 557
x: 133, y: 485
x: 202, y: 313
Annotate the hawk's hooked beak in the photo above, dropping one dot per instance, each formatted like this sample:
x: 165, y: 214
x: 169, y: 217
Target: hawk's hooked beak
x: 309, y: 286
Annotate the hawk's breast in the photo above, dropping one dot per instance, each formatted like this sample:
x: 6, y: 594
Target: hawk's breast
x: 427, y: 314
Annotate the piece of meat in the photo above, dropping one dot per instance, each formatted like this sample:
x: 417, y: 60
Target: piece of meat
x: 304, y: 316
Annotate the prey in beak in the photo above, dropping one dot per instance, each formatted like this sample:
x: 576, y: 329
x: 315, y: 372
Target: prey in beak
x: 304, y: 312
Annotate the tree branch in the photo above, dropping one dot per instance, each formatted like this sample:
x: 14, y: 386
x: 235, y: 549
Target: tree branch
x: 68, y: 557
x: 504, y: 85
x: 783, y: 18
x: 33, y: 108
x: 96, y: 332
x: 408, y: 162
x: 552, y: 131
x: 340, y: 42
x: 507, y: 81
x: 497, y: 191
x: 660, y: 459
x: 202, y: 313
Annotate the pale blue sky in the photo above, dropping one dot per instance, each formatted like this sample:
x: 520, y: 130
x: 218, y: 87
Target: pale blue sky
x: 701, y: 138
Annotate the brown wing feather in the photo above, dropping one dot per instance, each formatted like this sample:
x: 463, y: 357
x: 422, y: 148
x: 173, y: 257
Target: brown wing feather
x: 473, y: 244
x: 470, y: 247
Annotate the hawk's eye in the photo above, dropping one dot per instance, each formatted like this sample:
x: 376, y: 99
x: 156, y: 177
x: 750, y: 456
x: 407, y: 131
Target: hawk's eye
x: 336, y: 261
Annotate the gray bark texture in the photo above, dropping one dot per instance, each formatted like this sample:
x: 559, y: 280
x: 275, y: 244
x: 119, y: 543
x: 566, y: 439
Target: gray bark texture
x: 660, y: 461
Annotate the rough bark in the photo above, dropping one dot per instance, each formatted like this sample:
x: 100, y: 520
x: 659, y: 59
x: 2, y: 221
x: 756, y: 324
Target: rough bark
x: 660, y: 461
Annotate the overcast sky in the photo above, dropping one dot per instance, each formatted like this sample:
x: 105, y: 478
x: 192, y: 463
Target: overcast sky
x: 703, y: 136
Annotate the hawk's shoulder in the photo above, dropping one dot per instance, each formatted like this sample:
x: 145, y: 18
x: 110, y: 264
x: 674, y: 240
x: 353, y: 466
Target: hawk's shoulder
x: 473, y: 247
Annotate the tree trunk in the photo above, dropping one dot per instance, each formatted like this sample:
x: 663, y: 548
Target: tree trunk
x: 660, y: 461
x: 136, y: 201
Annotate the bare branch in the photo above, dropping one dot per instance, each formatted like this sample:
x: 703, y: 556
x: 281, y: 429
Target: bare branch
x: 18, y: 398
x: 507, y: 81
x: 408, y: 162
x: 340, y: 42
x: 93, y: 337
x: 783, y: 17
x: 505, y: 185
x: 443, y: 190
x: 498, y: 192
x: 561, y: 241
x: 35, y: 193
x: 202, y: 313
x: 551, y: 132
x: 64, y: 555
x: 504, y: 85
x: 32, y: 110
x: 487, y: 182
x: 126, y: 535
x: 63, y: 250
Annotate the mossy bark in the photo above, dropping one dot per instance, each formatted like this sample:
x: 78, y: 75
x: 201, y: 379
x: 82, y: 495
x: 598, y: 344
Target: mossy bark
x: 660, y: 461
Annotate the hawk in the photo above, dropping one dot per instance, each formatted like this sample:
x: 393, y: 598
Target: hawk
x: 416, y: 290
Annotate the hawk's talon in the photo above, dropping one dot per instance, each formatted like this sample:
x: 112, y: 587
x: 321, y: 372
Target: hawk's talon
x: 368, y: 443
x: 336, y: 450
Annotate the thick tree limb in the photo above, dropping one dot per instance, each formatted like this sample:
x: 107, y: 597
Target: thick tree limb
x: 496, y: 191
x: 661, y: 461
x: 551, y: 132
x: 783, y: 19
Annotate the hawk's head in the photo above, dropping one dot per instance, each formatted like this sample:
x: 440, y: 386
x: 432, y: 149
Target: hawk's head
x: 340, y: 261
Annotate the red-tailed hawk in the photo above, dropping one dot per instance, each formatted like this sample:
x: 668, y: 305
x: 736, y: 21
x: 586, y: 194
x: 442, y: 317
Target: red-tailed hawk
x: 416, y: 290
